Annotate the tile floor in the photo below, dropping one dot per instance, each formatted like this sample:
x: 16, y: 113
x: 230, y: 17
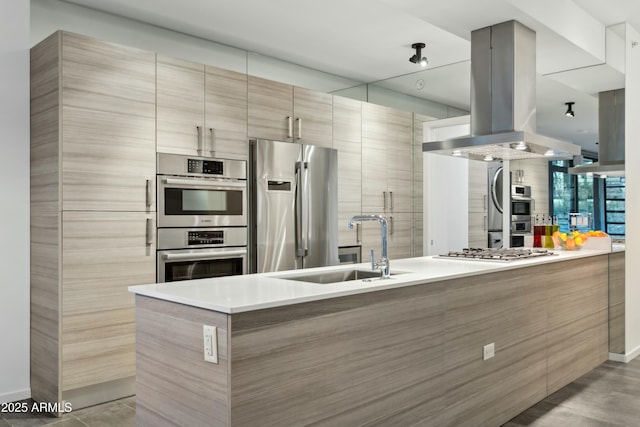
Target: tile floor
x: 119, y: 413
x: 608, y: 396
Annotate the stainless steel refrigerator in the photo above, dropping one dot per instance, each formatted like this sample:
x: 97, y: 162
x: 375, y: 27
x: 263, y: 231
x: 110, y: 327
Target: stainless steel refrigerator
x: 293, y: 206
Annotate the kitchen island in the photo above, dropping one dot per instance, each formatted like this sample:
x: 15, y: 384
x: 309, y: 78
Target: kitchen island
x: 400, y: 351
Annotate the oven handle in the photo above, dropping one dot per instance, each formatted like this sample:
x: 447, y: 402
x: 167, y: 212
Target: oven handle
x: 203, y: 183
x: 201, y: 255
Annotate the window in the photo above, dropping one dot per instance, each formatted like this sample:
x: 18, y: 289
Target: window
x: 603, y: 198
x: 614, y: 196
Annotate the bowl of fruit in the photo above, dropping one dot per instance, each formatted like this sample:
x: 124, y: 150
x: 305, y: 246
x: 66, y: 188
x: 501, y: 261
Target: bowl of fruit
x: 570, y: 241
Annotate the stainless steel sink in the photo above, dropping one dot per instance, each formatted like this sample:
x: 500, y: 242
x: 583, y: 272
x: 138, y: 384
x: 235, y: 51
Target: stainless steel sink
x: 336, y: 276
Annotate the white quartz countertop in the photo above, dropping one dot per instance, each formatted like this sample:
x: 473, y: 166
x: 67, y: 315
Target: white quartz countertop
x: 237, y: 294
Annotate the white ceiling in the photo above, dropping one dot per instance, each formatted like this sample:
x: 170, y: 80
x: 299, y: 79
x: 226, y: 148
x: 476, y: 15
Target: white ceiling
x: 370, y: 40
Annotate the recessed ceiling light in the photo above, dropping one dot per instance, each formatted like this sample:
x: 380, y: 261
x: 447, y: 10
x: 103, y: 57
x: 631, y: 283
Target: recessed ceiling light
x: 521, y: 146
x: 549, y: 153
x: 456, y: 153
x: 488, y: 158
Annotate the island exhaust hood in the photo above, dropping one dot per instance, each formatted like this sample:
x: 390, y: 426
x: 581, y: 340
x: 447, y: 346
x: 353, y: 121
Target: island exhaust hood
x: 610, y: 135
x: 503, y: 101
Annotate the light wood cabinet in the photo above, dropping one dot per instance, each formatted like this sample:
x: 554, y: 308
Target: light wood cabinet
x: 92, y: 214
x: 347, y: 139
x: 202, y: 110
x: 108, y: 121
x: 102, y: 254
x: 478, y: 190
x: 387, y: 176
x: 386, y: 160
x: 283, y: 112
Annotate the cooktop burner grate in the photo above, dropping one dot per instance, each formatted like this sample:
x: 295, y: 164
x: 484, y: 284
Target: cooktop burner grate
x: 504, y: 255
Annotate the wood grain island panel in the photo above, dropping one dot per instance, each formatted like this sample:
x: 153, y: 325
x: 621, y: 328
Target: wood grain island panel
x: 405, y: 356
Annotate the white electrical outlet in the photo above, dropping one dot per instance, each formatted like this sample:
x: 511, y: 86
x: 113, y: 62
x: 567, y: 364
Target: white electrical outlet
x: 488, y: 351
x: 210, y: 337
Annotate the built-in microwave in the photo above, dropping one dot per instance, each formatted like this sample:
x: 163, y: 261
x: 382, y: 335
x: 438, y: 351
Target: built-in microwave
x: 201, y: 192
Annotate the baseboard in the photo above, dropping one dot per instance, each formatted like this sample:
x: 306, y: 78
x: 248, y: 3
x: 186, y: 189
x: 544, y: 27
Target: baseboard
x: 15, y: 395
x: 625, y: 358
x: 100, y: 393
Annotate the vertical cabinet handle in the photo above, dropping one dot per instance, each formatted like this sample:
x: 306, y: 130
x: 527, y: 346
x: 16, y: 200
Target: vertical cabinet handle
x: 200, y: 141
x: 149, y: 232
x: 358, y: 238
x: 299, y: 123
x: 384, y: 200
x: 212, y: 134
x: 391, y: 198
x: 289, y: 127
x: 149, y: 196
x: 484, y: 223
x: 484, y: 202
x: 391, y: 225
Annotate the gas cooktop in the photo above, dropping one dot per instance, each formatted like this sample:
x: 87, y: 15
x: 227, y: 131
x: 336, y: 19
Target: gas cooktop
x: 501, y: 255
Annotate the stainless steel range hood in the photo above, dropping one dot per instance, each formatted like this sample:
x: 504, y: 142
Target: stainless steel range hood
x: 503, y: 100
x: 610, y: 135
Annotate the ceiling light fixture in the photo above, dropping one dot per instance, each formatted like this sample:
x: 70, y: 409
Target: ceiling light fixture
x: 417, y: 58
x: 521, y: 146
x: 457, y: 153
x: 488, y: 158
x: 549, y: 153
x: 569, y: 112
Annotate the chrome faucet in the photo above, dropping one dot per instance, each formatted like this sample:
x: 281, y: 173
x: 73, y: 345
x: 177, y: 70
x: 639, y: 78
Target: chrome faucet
x: 382, y: 263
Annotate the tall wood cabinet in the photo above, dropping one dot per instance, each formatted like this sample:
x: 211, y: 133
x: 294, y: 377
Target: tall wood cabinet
x: 283, y: 112
x: 92, y: 214
x: 387, y: 177
x: 347, y: 139
x: 478, y: 202
x: 201, y: 109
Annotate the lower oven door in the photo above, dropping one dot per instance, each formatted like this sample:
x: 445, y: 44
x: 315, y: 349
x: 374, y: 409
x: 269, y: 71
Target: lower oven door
x: 186, y: 264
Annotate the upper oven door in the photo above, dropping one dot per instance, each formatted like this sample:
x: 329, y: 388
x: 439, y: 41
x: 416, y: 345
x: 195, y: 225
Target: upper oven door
x: 201, y: 202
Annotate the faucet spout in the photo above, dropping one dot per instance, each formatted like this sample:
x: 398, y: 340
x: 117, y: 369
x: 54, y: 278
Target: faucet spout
x: 384, y: 262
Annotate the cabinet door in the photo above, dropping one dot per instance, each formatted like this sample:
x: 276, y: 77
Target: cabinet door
x: 399, y: 161
x: 313, y: 117
x: 399, y: 235
x: 270, y: 109
x: 108, y: 126
x: 180, y: 105
x: 375, y: 198
x: 226, y: 113
x: 478, y: 204
x: 102, y: 254
x: 347, y: 134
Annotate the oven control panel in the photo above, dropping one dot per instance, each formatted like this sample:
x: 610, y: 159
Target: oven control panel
x: 205, y: 237
x: 207, y: 167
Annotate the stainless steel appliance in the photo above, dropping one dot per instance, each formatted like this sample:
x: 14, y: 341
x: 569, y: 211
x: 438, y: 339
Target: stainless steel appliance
x: 494, y: 208
x: 197, y: 253
x: 521, y: 207
x: 201, y: 192
x: 202, y: 217
x: 501, y: 255
x: 294, y: 214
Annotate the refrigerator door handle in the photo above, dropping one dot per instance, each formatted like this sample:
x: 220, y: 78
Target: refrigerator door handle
x: 307, y: 213
x: 302, y: 199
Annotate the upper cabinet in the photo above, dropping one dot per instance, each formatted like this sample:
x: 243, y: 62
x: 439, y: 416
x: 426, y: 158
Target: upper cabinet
x: 283, y: 112
x: 108, y: 126
x: 202, y: 110
x: 386, y: 160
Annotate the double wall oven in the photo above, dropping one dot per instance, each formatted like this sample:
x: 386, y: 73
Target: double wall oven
x: 202, y: 217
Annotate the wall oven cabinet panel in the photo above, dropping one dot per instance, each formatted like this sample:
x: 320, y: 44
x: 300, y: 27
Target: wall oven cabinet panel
x: 102, y: 254
x: 180, y: 105
x: 226, y: 113
x: 202, y: 110
x: 108, y: 126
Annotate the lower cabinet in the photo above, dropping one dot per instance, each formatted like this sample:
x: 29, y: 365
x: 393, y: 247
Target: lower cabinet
x: 83, y: 316
x: 102, y: 254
